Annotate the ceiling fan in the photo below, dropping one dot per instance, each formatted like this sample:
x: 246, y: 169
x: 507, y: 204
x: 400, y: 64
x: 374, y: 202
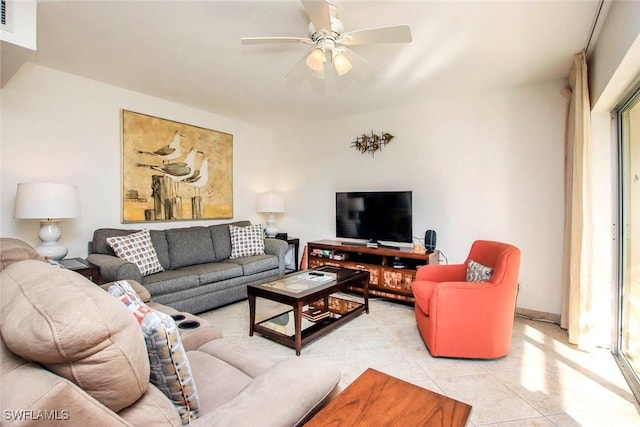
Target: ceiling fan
x: 329, y: 40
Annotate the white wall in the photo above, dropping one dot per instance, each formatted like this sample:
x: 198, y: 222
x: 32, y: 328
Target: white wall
x: 63, y: 128
x: 615, y: 60
x: 487, y: 167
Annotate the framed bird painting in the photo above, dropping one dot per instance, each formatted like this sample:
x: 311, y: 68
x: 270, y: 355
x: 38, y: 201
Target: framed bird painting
x: 174, y: 171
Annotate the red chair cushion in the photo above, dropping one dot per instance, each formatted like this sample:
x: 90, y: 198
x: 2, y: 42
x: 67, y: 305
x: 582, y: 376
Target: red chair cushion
x: 422, y: 292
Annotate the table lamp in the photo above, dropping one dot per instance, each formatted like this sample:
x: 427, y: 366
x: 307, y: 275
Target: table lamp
x: 271, y: 203
x: 49, y: 202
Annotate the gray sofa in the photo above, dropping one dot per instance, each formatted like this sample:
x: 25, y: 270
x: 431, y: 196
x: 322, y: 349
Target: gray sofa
x: 198, y: 273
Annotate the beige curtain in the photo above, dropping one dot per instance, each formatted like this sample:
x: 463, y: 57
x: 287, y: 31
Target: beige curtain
x: 578, y: 250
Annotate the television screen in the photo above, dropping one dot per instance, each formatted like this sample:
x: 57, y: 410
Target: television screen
x: 375, y: 216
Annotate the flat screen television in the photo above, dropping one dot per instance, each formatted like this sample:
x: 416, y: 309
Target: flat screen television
x: 375, y: 216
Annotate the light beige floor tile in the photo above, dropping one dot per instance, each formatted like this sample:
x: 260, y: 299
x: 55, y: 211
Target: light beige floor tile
x: 442, y: 367
x: 555, y: 387
x: 543, y: 381
x: 528, y: 422
x: 618, y: 414
x: 521, y: 352
x: 491, y: 400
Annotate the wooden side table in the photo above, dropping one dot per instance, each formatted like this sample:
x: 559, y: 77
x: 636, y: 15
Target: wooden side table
x: 377, y: 399
x: 296, y: 246
x: 295, y: 242
x: 84, y: 267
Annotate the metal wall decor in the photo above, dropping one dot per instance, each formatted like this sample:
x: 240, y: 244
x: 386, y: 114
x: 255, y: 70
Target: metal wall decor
x: 371, y: 143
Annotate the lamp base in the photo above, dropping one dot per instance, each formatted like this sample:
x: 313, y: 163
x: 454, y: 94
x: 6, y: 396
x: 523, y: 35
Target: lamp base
x: 271, y: 229
x: 49, y: 234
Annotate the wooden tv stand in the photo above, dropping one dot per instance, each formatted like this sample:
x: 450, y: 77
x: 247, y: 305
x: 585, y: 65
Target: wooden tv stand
x: 391, y: 270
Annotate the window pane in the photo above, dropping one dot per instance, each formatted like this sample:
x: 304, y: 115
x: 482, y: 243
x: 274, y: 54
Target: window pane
x: 629, y: 341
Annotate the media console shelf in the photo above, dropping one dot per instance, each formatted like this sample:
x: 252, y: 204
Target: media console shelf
x: 391, y: 271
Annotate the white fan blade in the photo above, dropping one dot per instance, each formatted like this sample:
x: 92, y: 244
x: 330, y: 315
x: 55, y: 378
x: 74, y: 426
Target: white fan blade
x: 395, y: 34
x: 360, y: 65
x: 319, y: 14
x: 264, y: 40
x: 300, y: 70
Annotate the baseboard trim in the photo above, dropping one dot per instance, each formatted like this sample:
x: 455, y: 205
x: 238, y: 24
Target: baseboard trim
x: 539, y: 315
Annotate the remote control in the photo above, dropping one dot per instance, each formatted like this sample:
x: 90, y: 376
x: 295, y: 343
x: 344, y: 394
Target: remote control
x: 315, y: 273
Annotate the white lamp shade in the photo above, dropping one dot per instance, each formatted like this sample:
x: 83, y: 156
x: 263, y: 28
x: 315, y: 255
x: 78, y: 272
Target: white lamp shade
x: 271, y: 203
x: 46, y: 200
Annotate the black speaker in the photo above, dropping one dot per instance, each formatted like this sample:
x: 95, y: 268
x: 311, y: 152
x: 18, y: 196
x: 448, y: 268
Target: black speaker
x: 430, y: 240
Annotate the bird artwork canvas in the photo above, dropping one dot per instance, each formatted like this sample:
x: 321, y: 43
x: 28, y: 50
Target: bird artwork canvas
x: 173, y: 171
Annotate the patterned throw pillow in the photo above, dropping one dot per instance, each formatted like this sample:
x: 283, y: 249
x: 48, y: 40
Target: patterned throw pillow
x: 137, y: 249
x: 246, y: 241
x: 170, y: 369
x: 129, y: 297
x: 477, y: 272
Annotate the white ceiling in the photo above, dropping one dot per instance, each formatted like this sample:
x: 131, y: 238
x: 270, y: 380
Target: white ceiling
x: 190, y: 52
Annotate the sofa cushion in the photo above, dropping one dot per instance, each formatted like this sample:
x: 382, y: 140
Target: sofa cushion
x: 170, y: 368
x: 260, y: 405
x: 222, y: 239
x: 246, y: 241
x: 99, y: 243
x: 61, y: 320
x: 153, y: 409
x: 206, y: 368
x: 159, y: 240
x: 189, y: 246
x: 237, y: 356
x: 255, y: 264
x: 37, y: 391
x: 14, y: 250
x: 137, y: 249
x: 477, y: 272
x: 168, y: 282
x: 214, y: 272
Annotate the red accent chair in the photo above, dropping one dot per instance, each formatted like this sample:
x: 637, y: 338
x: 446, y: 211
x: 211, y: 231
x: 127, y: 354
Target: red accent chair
x: 464, y: 319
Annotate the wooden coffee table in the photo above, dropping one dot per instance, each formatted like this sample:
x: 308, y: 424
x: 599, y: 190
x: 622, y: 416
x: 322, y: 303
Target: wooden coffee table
x: 377, y: 399
x: 299, y: 291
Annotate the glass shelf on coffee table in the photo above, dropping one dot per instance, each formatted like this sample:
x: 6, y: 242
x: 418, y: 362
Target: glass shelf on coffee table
x: 308, y: 292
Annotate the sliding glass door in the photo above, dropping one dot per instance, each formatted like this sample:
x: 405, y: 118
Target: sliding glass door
x: 628, y: 339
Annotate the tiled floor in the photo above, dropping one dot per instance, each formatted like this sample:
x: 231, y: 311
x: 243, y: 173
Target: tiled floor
x: 543, y: 381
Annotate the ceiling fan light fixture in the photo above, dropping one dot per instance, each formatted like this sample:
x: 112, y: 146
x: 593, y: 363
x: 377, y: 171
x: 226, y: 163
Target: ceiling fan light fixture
x: 341, y: 63
x: 316, y: 59
x: 331, y: 43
